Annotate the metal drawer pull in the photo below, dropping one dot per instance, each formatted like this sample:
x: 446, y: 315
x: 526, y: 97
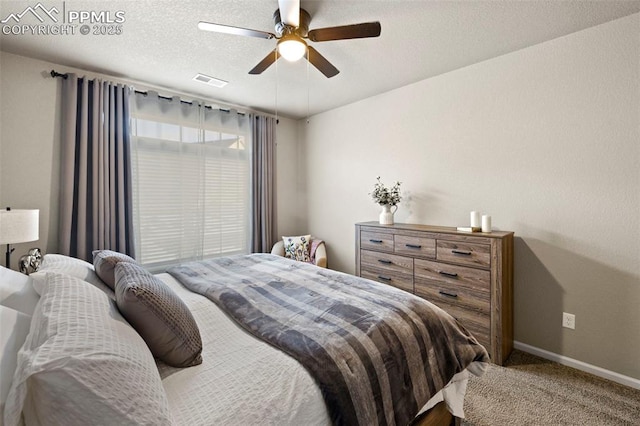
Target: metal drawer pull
x: 415, y: 246
x: 448, y: 274
x: 385, y: 261
x: 444, y: 293
x: 384, y: 278
x: 466, y: 253
x: 375, y: 241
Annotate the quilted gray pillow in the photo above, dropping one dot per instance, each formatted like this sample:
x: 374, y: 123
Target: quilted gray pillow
x: 158, y: 315
x: 104, y: 263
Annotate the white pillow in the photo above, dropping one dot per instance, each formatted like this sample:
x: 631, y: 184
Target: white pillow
x: 298, y: 248
x: 82, y: 363
x: 70, y: 266
x: 15, y: 327
x: 16, y: 291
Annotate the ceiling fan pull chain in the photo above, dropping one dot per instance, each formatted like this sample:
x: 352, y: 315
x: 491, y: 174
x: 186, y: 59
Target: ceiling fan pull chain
x: 275, y: 52
x: 308, y: 88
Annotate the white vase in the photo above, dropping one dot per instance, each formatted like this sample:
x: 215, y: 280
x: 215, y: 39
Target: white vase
x: 386, y: 216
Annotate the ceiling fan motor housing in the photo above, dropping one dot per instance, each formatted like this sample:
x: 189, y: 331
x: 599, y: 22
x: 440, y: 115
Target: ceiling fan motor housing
x: 283, y: 29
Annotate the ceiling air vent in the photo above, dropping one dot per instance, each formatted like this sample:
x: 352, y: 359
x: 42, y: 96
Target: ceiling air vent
x: 211, y: 81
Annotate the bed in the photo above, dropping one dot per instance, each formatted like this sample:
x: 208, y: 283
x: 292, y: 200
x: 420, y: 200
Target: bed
x: 84, y: 359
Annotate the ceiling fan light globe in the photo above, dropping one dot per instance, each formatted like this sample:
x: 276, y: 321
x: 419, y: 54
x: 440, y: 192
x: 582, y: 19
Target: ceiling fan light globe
x: 292, y: 49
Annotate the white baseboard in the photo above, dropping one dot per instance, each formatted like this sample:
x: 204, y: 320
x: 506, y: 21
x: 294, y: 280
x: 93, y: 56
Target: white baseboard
x: 579, y: 365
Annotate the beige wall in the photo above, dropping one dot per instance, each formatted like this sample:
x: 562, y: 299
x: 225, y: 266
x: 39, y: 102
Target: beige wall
x: 30, y: 146
x: 547, y: 141
x: 290, y: 177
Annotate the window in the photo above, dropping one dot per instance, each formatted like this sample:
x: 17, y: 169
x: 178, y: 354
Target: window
x: 191, y: 181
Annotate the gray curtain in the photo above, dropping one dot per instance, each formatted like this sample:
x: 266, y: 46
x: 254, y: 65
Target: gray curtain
x: 263, y: 234
x: 95, y: 192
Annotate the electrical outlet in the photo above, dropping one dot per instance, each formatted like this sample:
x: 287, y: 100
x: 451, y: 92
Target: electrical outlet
x: 568, y: 320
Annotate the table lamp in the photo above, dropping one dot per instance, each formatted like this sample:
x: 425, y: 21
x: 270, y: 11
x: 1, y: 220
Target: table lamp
x: 18, y: 226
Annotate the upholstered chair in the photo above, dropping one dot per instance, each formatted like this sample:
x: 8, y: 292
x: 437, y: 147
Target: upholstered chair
x: 320, y: 253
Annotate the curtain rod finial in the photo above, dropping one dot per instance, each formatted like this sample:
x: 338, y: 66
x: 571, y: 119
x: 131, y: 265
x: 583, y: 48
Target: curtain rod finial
x: 55, y: 74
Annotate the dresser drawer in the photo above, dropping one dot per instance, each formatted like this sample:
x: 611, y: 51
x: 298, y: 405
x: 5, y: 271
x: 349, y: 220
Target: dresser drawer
x: 461, y: 297
x: 478, y: 324
x: 462, y: 253
x: 386, y: 262
x: 403, y: 281
x: 477, y: 281
x: 378, y: 241
x: 415, y: 246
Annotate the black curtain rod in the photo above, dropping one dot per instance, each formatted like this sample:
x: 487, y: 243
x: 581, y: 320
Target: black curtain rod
x: 55, y: 74
x: 140, y: 92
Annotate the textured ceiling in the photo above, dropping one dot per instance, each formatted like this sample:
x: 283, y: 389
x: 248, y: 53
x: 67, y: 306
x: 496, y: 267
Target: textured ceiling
x: 161, y: 45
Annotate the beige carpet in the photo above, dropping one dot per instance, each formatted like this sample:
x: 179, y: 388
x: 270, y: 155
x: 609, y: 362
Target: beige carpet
x: 534, y: 391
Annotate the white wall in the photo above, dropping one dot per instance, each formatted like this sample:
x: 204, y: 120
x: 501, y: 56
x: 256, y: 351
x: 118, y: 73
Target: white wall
x: 547, y: 141
x: 30, y: 147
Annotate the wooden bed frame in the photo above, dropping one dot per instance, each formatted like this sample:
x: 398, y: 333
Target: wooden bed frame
x: 437, y: 416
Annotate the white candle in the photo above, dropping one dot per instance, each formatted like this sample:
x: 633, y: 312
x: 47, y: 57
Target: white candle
x: 486, y: 223
x: 475, y: 219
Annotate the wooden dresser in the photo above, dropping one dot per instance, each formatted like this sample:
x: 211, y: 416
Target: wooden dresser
x: 470, y: 275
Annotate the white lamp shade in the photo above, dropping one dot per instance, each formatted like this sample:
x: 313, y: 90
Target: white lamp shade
x: 292, y: 48
x: 19, y: 226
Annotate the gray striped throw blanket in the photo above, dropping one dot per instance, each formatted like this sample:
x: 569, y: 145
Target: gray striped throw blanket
x: 377, y: 353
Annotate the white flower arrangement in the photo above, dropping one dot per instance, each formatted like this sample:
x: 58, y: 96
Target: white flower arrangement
x: 383, y: 195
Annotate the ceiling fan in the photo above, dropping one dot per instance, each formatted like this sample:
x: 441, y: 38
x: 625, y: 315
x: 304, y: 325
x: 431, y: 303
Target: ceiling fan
x: 291, y: 28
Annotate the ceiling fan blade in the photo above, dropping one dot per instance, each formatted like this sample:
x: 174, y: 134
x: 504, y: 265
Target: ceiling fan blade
x: 226, y: 29
x: 320, y: 62
x: 266, y: 62
x: 368, y: 29
x: 290, y: 12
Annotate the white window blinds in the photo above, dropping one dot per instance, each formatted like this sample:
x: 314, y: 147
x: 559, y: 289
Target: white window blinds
x: 191, y: 181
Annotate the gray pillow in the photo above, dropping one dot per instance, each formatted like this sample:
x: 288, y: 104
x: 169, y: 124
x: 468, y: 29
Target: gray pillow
x: 158, y: 315
x: 104, y: 262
